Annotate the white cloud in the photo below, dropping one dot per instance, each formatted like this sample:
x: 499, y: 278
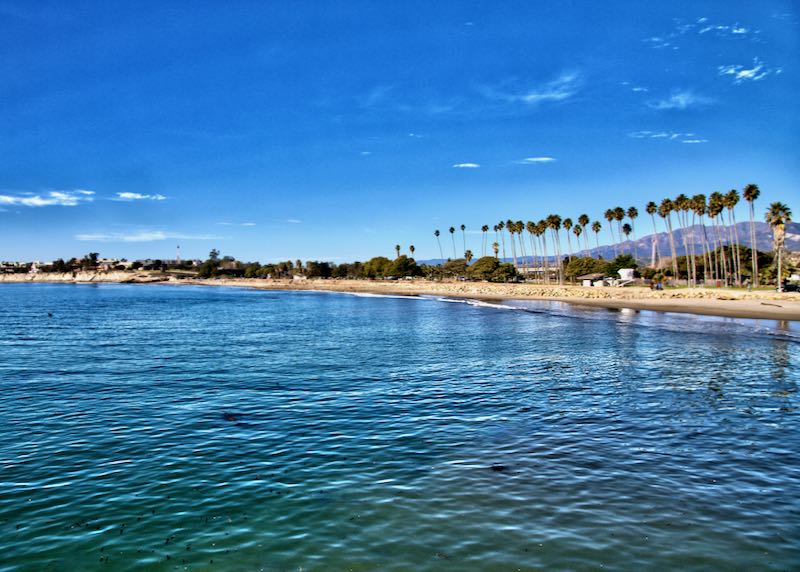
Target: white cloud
x: 639, y: 89
x: 144, y: 236
x: 365, y: 153
x: 563, y: 87
x: 138, y: 197
x: 248, y: 224
x: 51, y: 198
x: 740, y: 73
x: 667, y: 136
x: 536, y: 160
x: 294, y: 221
x: 684, y: 99
x: 466, y: 166
x: 236, y: 223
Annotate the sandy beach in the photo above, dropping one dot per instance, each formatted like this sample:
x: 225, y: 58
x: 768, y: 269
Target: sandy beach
x: 767, y: 305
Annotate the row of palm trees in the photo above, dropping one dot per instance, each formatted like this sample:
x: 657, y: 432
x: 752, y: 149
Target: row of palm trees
x: 718, y: 247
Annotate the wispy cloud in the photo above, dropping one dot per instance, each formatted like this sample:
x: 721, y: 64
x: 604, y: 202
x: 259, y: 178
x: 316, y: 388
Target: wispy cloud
x: 535, y: 160
x: 236, y: 223
x: 559, y: 89
x: 742, y: 73
x: 466, y: 166
x: 49, y: 199
x: 667, y: 136
x: 679, y: 99
x: 294, y: 221
x: 700, y: 27
x: 144, y: 236
x: 138, y: 197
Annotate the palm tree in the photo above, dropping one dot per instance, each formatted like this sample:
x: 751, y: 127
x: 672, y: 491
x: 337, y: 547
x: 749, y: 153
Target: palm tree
x: 596, y: 227
x: 452, y: 231
x: 541, y: 230
x: 619, y: 216
x: 777, y: 215
x: 554, y: 223
x: 633, y: 212
x: 681, y: 206
x: 411, y: 249
x: 567, y: 224
x: 609, y: 214
x: 716, y: 203
x: 436, y: 233
x: 495, y: 249
x: 468, y: 256
x: 664, y: 211
x: 583, y: 220
x: 519, y: 227
x: 484, y: 230
x: 577, y: 230
x: 750, y: 194
x: 699, y: 209
x: 397, y: 250
x: 464, y: 236
x: 500, y: 226
x: 731, y: 200
x: 510, y: 227
x: 531, y: 228
x: 652, y: 209
x: 626, y: 230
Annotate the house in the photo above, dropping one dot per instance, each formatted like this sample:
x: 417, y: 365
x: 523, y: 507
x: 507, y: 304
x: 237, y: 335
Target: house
x: 593, y: 279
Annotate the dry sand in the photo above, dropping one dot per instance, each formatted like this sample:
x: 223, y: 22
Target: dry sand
x: 768, y: 305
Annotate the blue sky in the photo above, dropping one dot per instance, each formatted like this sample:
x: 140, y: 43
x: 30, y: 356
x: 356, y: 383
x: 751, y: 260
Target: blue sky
x: 334, y: 130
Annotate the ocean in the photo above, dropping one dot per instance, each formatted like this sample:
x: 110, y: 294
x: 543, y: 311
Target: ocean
x: 154, y: 427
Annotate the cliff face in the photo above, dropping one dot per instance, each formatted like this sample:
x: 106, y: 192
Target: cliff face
x: 84, y: 277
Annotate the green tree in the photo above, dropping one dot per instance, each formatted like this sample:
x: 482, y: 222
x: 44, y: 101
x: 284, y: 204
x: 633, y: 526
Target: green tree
x: 213, y: 255
x: 378, y: 267
x: 397, y: 250
x: 436, y: 233
x: 620, y: 262
x: 750, y: 194
x: 777, y: 215
x: 584, y: 265
x: 483, y: 268
x: 404, y: 266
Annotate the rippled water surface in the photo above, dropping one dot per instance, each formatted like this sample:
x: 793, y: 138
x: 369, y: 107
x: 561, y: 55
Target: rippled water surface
x: 165, y: 428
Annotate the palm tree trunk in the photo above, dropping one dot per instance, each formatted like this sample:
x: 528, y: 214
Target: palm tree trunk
x: 441, y: 252
x: 753, y: 248
x: 738, y: 254
x: 635, y: 246
x: 672, y: 247
x: 654, y: 254
x: 546, y: 259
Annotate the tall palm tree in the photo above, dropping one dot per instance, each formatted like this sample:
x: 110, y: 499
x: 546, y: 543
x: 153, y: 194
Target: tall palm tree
x: 484, y: 230
x: 619, y: 216
x: 436, y: 233
x: 751, y: 193
x: 652, y: 209
x: 664, y: 211
x: 633, y: 212
x: 681, y: 204
x: 554, y: 223
x: 500, y: 226
x: 583, y: 220
x: 411, y: 249
x: 464, y: 236
x: 577, y: 230
x: 397, y: 250
x: 596, y: 227
x: 716, y: 204
x: 519, y: 227
x: 731, y: 200
x: 530, y: 226
x: 699, y: 209
x: 567, y: 224
x: 510, y: 227
x: 626, y: 230
x: 609, y: 214
x: 777, y: 215
x: 452, y: 231
x: 541, y: 230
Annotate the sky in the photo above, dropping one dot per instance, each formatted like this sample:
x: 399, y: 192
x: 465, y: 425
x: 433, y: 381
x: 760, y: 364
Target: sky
x: 334, y: 130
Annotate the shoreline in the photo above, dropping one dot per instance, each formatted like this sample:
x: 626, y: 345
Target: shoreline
x: 760, y: 305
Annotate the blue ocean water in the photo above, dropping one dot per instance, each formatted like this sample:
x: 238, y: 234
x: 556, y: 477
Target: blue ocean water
x: 195, y: 428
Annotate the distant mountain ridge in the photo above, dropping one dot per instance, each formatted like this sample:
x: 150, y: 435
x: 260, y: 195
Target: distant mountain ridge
x: 643, y: 245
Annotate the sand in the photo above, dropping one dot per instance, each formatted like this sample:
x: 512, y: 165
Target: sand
x: 766, y: 305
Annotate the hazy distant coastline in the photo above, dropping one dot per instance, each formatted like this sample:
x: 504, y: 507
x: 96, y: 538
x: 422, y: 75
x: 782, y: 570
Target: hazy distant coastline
x: 742, y: 304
